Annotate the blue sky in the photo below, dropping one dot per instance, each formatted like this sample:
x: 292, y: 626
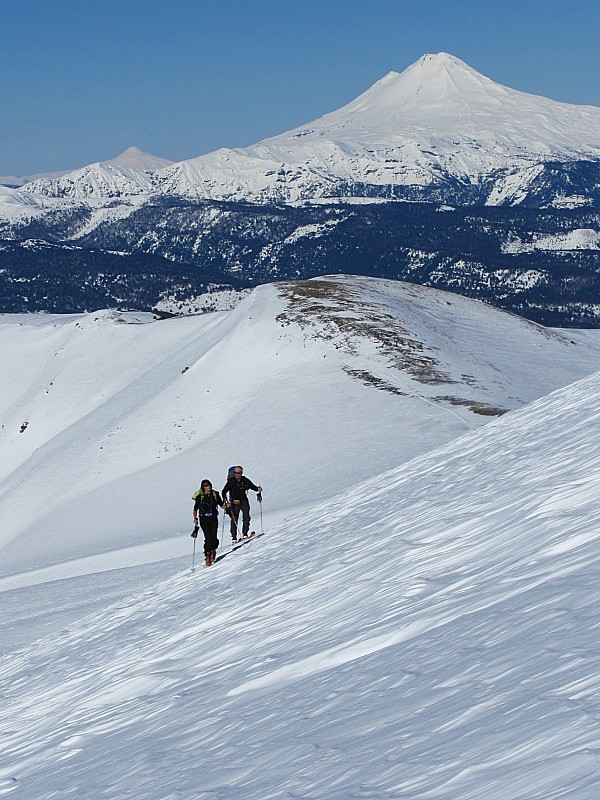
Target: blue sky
x: 81, y: 80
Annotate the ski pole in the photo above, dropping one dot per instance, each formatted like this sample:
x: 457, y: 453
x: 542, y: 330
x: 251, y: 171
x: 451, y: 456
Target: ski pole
x: 235, y: 522
x: 259, y: 498
x: 223, y: 525
x: 194, y: 555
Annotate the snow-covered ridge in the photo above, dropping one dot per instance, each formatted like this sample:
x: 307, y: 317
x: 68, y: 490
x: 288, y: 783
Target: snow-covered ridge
x: 19, y: 207
x: 436, y: 122
x: 133, y: 408
x: 131, y: 158
x: 102, y: 180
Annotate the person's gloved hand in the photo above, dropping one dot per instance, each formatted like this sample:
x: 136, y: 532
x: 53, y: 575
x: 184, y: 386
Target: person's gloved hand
x: 195, y: 532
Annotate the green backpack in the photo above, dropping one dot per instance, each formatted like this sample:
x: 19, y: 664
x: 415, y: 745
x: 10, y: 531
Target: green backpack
x: 214, y: 494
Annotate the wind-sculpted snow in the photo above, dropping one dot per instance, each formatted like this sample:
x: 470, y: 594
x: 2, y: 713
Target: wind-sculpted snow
x: 430, y: 632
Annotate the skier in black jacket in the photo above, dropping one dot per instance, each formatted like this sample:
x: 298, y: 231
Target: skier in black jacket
x: 206, y: 508
x: 235, y: 494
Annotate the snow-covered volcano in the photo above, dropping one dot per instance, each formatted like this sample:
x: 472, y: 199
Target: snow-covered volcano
x: 439, y: 124
x: 134, y: 158
x: 429, y: 632
x: 438, y: 120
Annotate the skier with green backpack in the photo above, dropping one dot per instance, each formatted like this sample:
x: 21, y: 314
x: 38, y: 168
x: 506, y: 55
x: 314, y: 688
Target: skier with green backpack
x: 207, y: 502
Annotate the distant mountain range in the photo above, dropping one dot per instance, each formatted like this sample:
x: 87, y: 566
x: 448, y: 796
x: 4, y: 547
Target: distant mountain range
x: 132, y: 158
x: 519, y: 174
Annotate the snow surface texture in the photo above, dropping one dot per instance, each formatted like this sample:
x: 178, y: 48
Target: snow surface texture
x: 437, y: 122
x: 429, y: 632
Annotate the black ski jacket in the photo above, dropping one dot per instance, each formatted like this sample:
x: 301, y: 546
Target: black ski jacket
x: 207, y: 505
x: 234, y: 490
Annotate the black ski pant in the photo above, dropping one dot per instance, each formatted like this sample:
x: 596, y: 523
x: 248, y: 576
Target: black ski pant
x: 210, y: 529
x: 244, y: 507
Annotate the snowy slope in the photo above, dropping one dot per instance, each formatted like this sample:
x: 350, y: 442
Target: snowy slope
x: 131, y: 158
x: 437, y: 123
x: 579, y: 239
x: 429, y: 634
x: 95, y: 180
x: 19, y: 206
x: 105, y: 413
x: 126, y: 174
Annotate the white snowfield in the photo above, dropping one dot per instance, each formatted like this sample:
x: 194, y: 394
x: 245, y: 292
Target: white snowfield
x: 23, y: 206
x: 424, y: 632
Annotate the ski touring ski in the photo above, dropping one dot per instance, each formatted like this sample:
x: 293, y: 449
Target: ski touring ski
x: 236, y: 546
